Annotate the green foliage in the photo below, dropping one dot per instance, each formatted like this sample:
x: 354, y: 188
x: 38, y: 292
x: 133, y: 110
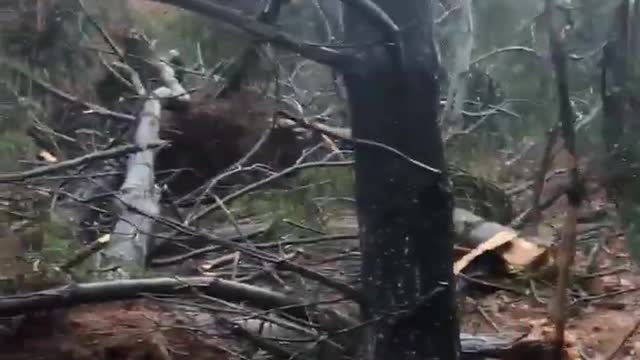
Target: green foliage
x: 311, y: 197
x: 14, y: 146
x: 318, y: 194
x: 59, y: 242
x: 15, y: 119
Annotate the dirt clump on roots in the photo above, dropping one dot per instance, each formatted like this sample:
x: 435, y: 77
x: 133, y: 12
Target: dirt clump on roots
x: 213, y: 134
x: 114, y: 331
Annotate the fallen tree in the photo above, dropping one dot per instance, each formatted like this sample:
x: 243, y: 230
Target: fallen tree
x: 138, y: 195
x: 71, y: 295
x: 473, y: 346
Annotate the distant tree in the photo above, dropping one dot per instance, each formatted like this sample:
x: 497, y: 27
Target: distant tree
x: 620, y: 99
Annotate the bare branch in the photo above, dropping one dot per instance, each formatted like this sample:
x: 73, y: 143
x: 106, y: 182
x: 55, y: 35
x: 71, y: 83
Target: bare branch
x: 457, y: 91
x: 268, y: 180
x: 250, y: 56
x: 102, y: 31
x: 324, y: 55
x: 375, y: 15
x: 345, y: 134
x: 63, y: 165
x: 522, y: 49
x: 93, y: 108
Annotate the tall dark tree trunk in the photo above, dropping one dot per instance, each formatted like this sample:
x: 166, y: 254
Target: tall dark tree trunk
x: 404, y: 211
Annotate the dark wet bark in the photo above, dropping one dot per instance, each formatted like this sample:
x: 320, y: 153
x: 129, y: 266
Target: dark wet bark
x: 404, y: 211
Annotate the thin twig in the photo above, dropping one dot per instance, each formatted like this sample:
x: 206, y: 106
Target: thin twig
x: 85, y: 253
x: 522, y: 219
x: 487, y: 318
x: 267, y: 180
x: 102, y: 32
x: 93, y: 108
x: 280, y: 263
x: 345, y: 135
x: 322, y: 54
x: 623, y: 341
x: 63, y: 165
x: 521, y: 49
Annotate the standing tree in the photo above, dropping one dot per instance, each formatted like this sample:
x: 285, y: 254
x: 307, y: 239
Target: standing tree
x: 404, y: 211
x: 402, y: 192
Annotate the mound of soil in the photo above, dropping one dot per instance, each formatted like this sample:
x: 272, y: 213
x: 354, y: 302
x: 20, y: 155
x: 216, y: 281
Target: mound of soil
x: 112, y: 331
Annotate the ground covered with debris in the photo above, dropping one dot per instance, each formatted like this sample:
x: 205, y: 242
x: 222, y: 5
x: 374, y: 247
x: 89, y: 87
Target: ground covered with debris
x: 603, y: 320
x: 237, y: 232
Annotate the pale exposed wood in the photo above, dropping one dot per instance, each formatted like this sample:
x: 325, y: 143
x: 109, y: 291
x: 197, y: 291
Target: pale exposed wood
x: 139, y: 196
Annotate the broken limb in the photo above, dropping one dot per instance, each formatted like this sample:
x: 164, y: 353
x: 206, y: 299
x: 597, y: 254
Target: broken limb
x: 71, y: 295
x: 250, y: 57
x: 67, y: 164
x: 129, y: 245
x: 92, y: 108
x: 321, y: 54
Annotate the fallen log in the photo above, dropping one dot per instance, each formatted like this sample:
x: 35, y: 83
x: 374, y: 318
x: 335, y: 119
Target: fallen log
x: 476, y: 347
x: 139, y: 195
x: 473, y: 346
x: 71, y: 295
x: 483, y: 236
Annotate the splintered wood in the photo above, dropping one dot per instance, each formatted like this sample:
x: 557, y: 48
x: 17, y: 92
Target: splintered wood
x: 519, y: 253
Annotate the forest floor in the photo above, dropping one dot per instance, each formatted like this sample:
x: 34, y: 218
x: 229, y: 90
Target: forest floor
x: 604, y: 315
x: 604, y: 318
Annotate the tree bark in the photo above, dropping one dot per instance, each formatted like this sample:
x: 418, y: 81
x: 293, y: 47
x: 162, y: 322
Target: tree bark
x: 404, y: 212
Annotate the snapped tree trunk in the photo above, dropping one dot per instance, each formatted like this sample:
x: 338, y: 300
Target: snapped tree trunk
x: 404, y: 211
x: 139, y: 196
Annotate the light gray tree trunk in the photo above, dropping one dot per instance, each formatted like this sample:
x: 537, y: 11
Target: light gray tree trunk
x: 138, y: 195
